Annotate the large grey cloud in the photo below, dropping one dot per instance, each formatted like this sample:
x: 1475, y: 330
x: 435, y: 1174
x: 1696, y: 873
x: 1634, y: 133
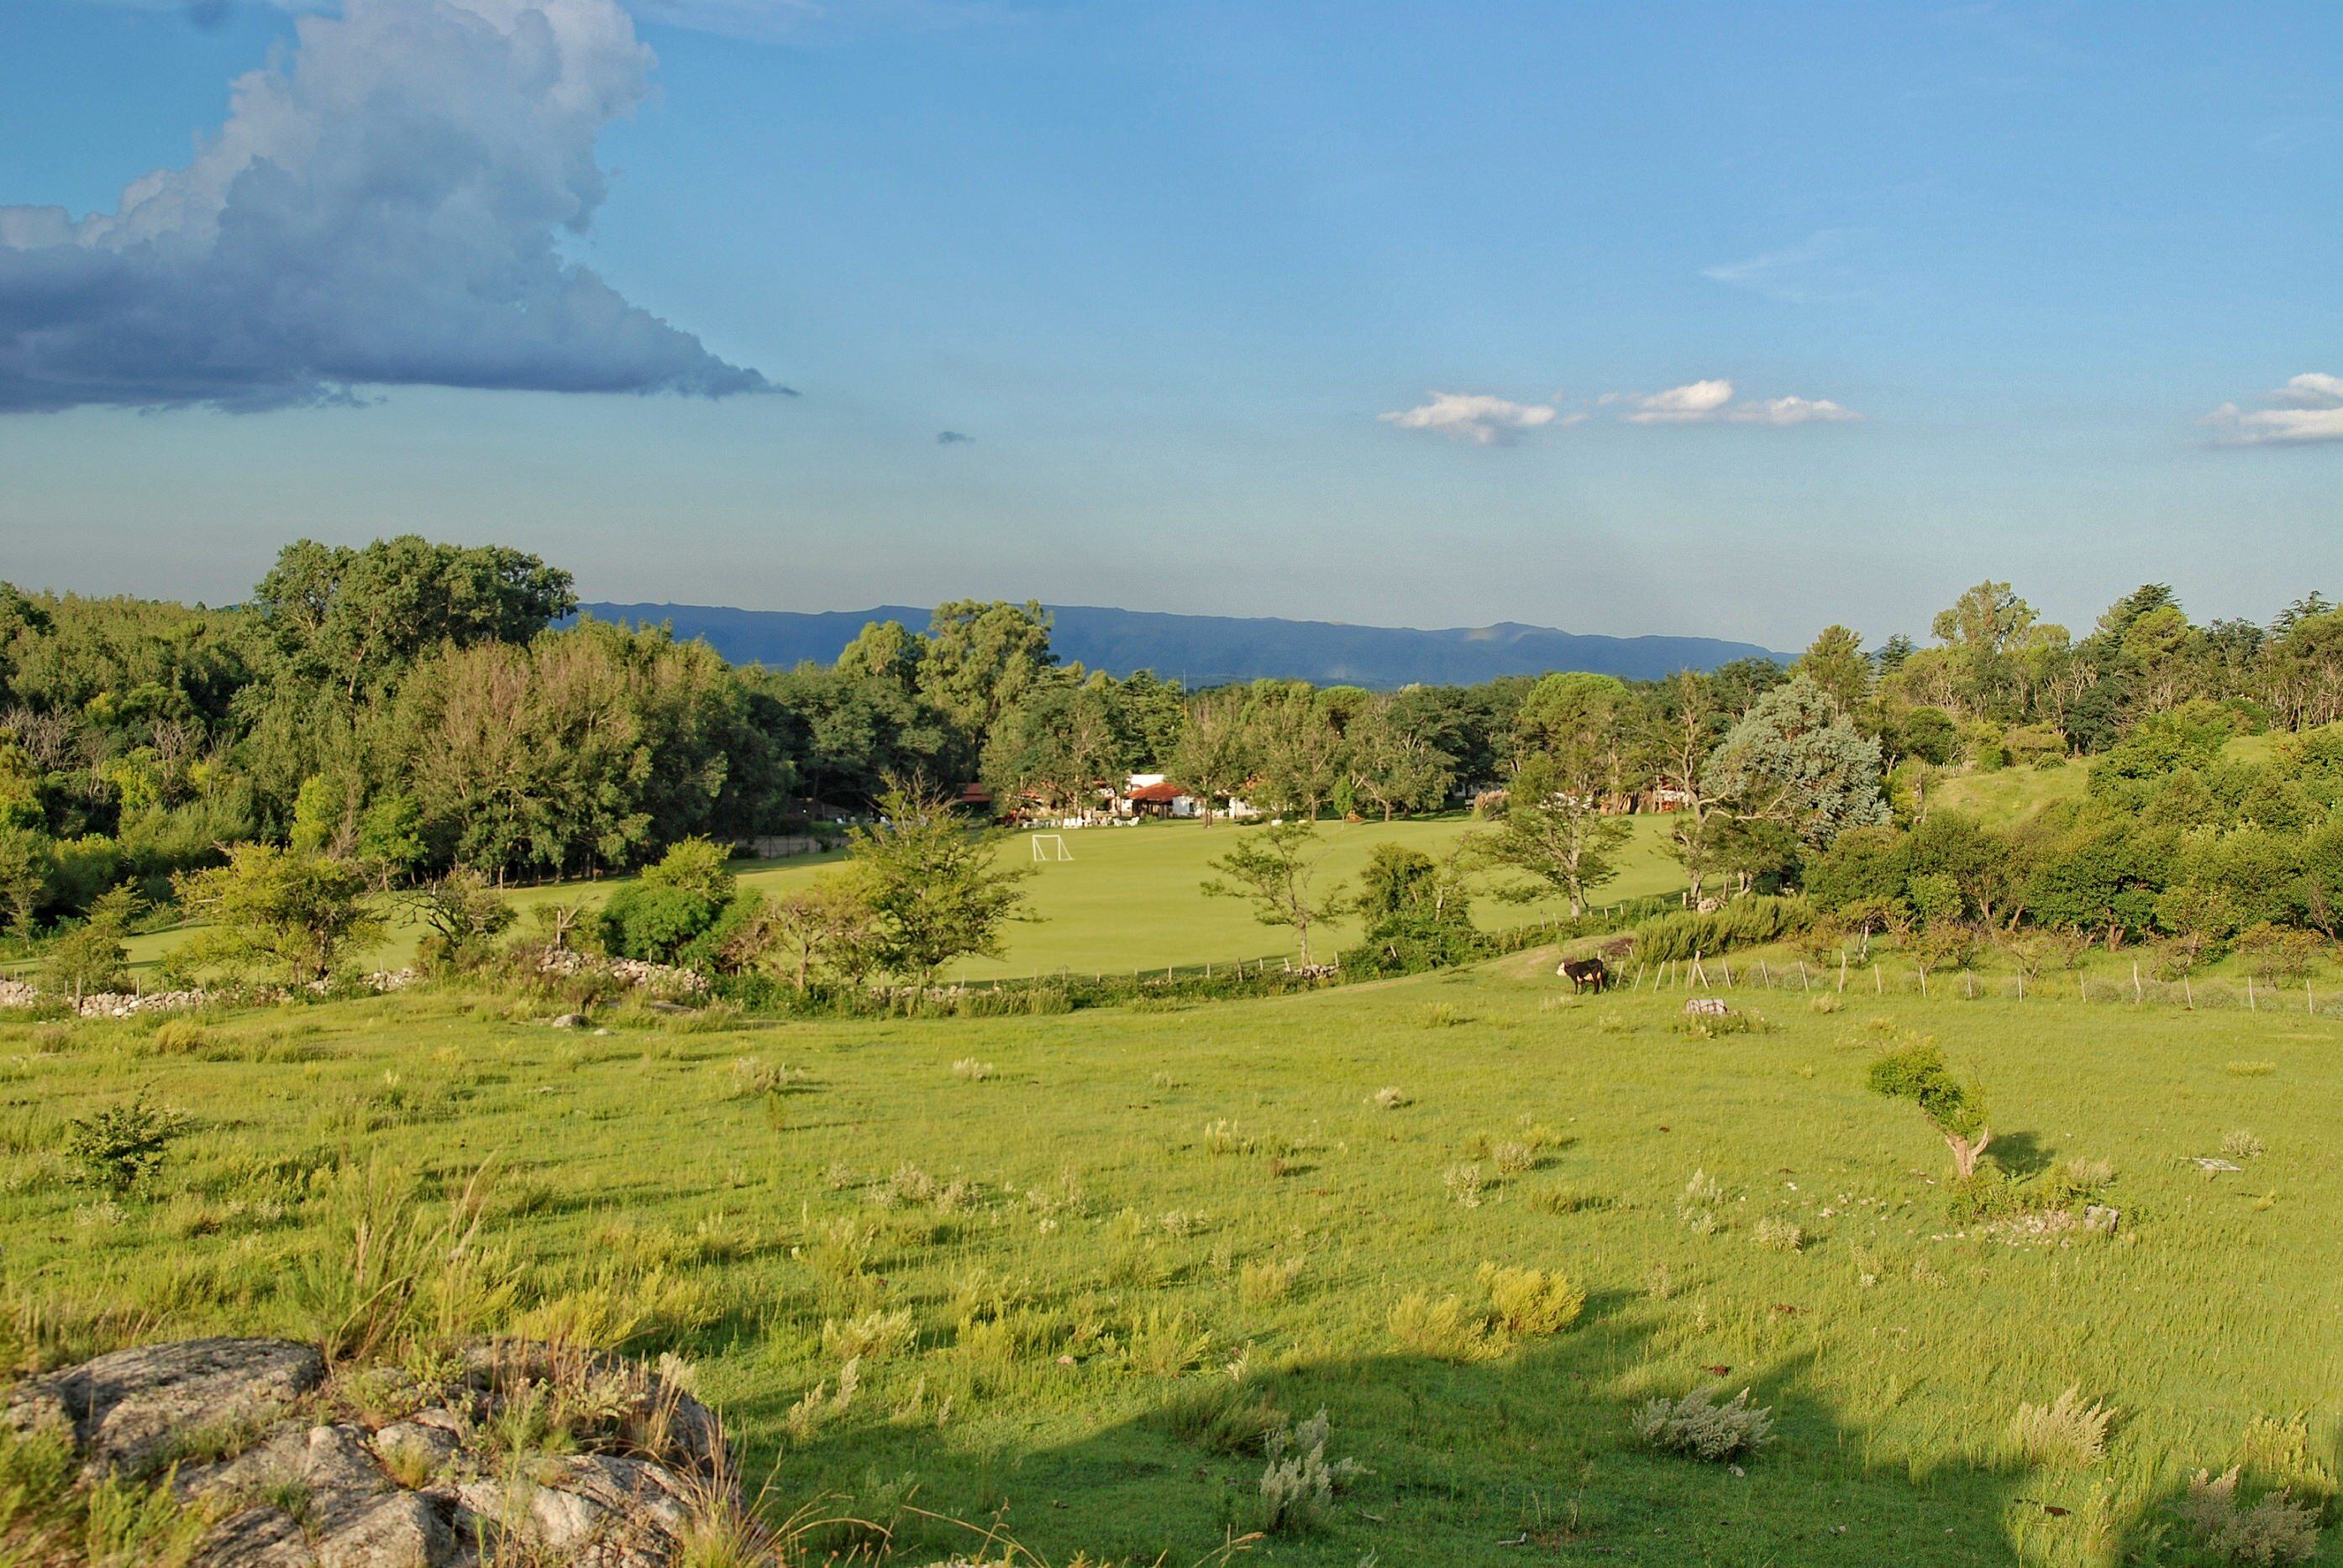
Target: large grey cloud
x: 382, y: 208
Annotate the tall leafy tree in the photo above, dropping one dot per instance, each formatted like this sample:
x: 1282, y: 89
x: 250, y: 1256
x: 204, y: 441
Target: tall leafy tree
x: 1275, y: 870
x: 1794, y: 758
x: 1555, y: 832
x: 936, y: 889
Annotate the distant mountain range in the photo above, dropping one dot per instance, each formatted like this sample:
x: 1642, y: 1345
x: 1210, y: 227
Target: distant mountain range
x: 1212, y: 650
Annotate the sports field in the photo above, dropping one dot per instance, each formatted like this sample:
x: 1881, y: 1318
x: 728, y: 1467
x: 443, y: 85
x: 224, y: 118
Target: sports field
x: 1131, y: 897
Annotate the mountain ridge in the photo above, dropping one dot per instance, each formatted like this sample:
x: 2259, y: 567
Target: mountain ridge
x: 1209, y: 650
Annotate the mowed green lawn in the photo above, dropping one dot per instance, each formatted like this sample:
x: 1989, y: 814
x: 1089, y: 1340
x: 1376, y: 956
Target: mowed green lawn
x: 1131, y: 898
x: 1118, y: 1174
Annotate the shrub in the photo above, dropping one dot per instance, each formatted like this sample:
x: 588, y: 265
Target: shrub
x: 1743, y: 923
x: 1697, y: 1427
x: 178, y: 1037
x: 1167, y: 1341
x: 1298, y: 1486
x: 2065, y: 1433
x: 1531, y: 1302
x: 1464, y: 1185
x: 1447, y: 1329
x: 1512, y: 1157
x: 2274, y: 1530
x: 1390, y: 1097
x: 120, y: 1146
x: 970, y: 1069
x: 2242, y: 1144
x: 1956, y: 1110
x: 1780, y: 1234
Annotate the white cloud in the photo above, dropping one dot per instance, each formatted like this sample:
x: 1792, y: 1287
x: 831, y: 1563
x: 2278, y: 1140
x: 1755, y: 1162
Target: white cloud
x: 1711, y: 402
x: 384, y: 205
x: 1689, y: 403
x: 1476, y: 417
x: 2307, y: 408
x: 1788, y: 412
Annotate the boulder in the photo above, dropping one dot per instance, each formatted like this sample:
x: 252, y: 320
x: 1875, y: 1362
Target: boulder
x: 137, y: 1409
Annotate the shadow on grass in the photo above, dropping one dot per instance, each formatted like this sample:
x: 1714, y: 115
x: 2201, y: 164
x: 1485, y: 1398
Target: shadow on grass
x: 1526, y: 1459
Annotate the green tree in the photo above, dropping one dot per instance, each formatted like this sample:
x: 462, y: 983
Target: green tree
x: 462, y: 914
x: 1395, y: 763
x: 1795, y: 761
x: 92, y: 958
x: 821, y: 928
x: 1555, y: 832
x: 1417, y: 910
x: 1275, y: 869
x: 978, y: 660
x: 1683, y: 727
x: 276, y: 913
x: 1214, y: 757
x: 936, y: 889
x: 1956, y: 1109
x: 1835, y: 661
x: 28, y: 862
x: 356, y: 618
x: 1297, y: 749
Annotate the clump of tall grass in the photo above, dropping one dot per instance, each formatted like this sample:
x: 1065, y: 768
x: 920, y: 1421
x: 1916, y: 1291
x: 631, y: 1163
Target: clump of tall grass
x: 2067, y: 1433
x: 1466, y: 1183
x: 1779, y: 1233
x: 969, y: 1069
x: 404, y: 1275
x: 874, y: 1336
x: 1447, y: 1329
x: 1391, y: 1096
x: 818, y: 1407
x: 1696, y: 1205
x: 2276, y: 1529
x: 1272, y: 1279
x: 1697, y: 1427
x: 1530, y: 1302
x: 1220, y: 1415
x: 2242, y: 1144
x: 1166, y: 1339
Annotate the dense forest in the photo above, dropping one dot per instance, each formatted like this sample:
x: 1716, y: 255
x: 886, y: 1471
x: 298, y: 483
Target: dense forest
x: 410, y: 707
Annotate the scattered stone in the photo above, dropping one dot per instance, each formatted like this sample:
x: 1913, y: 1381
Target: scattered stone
x: 570, y: 1020
x: 2102, y: 1218
x: 1706, y: 1007
x: 2205, y: 1162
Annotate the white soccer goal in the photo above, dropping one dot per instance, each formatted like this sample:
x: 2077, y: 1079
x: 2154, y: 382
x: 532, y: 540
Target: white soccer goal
x: 1050, y: 847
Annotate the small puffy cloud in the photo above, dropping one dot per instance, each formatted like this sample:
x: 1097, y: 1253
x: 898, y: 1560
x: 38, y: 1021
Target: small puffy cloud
x: 1476, y: 417
x: 2307, y: 408
x: 1711, y: 403
x: 384, y: 206
x: 1690, y: 404
x: 952, y: 439
x: 1787, y: 411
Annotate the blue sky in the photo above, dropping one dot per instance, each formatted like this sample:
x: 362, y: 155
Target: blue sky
x: 1722, y: 319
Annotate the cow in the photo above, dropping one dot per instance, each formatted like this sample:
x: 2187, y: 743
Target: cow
x: 1584, y: 972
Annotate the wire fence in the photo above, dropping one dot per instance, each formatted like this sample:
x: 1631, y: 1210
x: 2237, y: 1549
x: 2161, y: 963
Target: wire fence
x: 1883, y: 977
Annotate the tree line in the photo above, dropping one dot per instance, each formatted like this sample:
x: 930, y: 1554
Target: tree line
x: 407, y: 709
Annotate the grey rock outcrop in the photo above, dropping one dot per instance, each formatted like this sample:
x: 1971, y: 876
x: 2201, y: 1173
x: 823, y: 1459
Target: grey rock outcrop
x: 300, y: 1469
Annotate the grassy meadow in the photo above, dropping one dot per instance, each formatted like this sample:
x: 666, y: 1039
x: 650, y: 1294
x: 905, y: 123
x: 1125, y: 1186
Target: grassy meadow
x: 1049, y: 1238
x: 1129, y: 898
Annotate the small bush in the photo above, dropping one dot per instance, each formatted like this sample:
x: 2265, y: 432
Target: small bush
x: 2065, y: 1433
x: 2242, y: 1145
x: 2274, y: 1530
x: 1697, y: 1427
x: 1390, y: 1097
x: 120, y: 1146
x: 1299, y: 1484
x: 1512, y: 1157
x: 1779, y: 1233
x: 1531, y: 1302
x: 1167, y: 1341
x: 1464, y: 1185
x: 969, y: 1069
x: 1740, y: 923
